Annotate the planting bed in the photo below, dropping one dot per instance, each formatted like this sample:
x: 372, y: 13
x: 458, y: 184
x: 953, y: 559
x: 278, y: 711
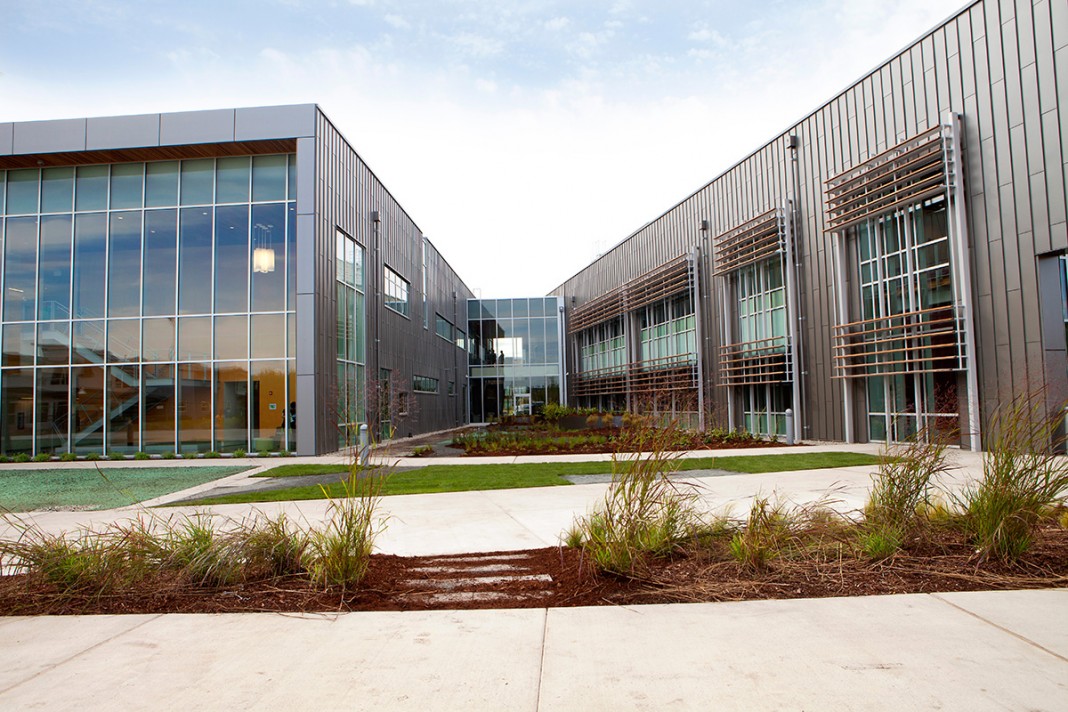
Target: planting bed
x: 555, y: 577
x: 541, y: 441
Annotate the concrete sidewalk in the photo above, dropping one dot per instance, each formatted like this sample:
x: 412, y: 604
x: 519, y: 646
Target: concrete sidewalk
x: 963, y: 651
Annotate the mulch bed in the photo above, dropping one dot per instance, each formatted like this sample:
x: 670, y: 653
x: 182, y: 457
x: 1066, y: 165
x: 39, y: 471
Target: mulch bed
x: 617, y: 443
x: 393, y: 583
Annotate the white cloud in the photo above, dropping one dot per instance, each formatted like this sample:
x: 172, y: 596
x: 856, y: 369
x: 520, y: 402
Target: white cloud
x: 557, y: 23
x: 397, y: 21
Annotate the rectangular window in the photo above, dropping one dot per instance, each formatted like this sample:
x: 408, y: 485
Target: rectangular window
x: 444, y: 327
x: 396, y: 291
x: 424, y: 384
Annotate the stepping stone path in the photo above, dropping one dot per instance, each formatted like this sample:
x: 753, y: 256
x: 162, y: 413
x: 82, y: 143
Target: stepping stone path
x: 502, y: 578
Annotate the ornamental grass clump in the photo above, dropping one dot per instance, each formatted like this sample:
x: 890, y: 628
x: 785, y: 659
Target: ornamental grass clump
x: 1022, y: 479
x: 644, y: 512
x: 767, y: 533
x: 340, y: 552
x: 901, y: 495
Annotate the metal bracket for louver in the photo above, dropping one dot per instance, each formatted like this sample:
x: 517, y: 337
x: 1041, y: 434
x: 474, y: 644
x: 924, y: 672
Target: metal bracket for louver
x: 923, y: 341
x: 752, y: 241
x: 908, y: 173
x: 672, y: 277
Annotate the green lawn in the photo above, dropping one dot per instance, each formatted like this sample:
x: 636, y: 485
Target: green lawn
x: 302, y: 470
x: 26, y: 489
x: 462, y: 478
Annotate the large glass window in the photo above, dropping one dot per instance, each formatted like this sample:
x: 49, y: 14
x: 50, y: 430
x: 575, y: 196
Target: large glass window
x: 396, y: 291
x: 100, y: 260
x: 602, y: 348
x: 667, y: 333
x: 904, y: 265
x: 351, y: 329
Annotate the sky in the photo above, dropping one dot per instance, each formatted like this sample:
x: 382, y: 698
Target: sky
x: 524, y: 137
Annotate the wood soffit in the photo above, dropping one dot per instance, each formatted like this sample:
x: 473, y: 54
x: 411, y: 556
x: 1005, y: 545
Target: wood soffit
x: 150, y: 153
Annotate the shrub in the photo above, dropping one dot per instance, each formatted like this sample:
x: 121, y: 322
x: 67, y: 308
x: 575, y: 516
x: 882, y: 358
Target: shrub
x: 68, y: 457
x: 263, y: 453
x: 239, y: 453
x: 142, y: 456
x: 5, y: 459
x: 167, y: 455
x: 42, y: 457
x: 21, y: 457
x: 423, y: 451
x: 1022, y: 478
x: 211, y: 454
x: 93, y: 456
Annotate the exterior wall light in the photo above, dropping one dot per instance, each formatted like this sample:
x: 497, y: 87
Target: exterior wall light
x: 263, y: 253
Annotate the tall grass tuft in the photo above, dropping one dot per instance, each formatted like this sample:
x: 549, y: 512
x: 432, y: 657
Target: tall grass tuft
x: 1022, y: 478
x: 340, y: 552
x: 644, y: 512
x: 767, y: 532
x: 901, y: 494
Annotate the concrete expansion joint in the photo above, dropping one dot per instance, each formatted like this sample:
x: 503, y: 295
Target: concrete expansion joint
x: 1002, y: 628
x: 80, y: 653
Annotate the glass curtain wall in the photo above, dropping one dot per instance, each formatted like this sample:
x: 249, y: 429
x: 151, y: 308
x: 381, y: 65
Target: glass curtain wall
x: 904, y: 264
x: 149, y: 306
x: 667, y: 333
x: 602, y: 348
x: 351, y: 339
x: 513, y: 356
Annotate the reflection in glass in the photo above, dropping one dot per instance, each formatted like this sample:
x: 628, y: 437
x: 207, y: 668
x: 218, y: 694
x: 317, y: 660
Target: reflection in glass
x: 291, y: 335
x: 268, y: 336
x: 194, y: 407
x: 291, y: 413
x: 291, y: 256
x: 194, y: 338
x: 231, y: 175
x: 22, y: 191
x: 53, y: 343
x: 194, y: 261
x: 91, y: 188
x: 231, y: 258
x: 231, y: 337
x: 126, y: 185
x: 158, y: 341
x: 198, y: 181
x: 57, y: 190
x: 124, y: 257
x: 268, y: 405
x: 161, y: 184
x: 292, y: 176
x: 161, y: 253
x: 90, y: 250
x: 87, y: 409
x: 157, y: 407
x: 231, y: 406
x: 52, y: 409
x: 124, y: 413
x: 269, y: 177
x: 16, y: 399
x: 18, y: 344
x: 87, y: 344
x: 54, y: 275
x: 268, y: 232
x: 20, y: 268
x: 124, y: 340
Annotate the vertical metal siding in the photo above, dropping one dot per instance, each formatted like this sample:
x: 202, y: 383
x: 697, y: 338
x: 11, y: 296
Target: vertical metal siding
x: 1003, y: 65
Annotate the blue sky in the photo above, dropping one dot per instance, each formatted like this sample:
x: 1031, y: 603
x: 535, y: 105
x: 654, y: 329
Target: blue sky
x: 523, y: 137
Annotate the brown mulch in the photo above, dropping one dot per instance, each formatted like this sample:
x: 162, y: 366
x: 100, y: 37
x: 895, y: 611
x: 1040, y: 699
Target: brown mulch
x: 396, y: 583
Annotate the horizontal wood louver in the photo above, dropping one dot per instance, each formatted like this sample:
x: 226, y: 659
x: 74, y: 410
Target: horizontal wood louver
x: 673, y: 373
x: 755, y: 362
x: 668, y: 279
x: 908, y: 173
x: 752, y: 241
x: 923, y: 341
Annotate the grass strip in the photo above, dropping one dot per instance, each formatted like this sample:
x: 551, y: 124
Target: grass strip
x: 465, y: 478
x: 24, y: 489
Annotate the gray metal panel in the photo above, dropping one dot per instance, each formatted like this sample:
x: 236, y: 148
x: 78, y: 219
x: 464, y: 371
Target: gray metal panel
x: 1004, y: 67
x: 122, y: 131
x: 7, y: 133
x: 49, y: 136
x: 215, y: 126
x: 268, y: 122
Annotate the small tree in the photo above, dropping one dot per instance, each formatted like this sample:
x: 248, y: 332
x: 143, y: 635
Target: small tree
x: 389, y: 404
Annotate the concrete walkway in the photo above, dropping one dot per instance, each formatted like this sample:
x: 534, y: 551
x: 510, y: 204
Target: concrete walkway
x: 965, y: 651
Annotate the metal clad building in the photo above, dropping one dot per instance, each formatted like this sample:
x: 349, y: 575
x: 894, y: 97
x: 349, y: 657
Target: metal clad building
x: 899, y: 310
